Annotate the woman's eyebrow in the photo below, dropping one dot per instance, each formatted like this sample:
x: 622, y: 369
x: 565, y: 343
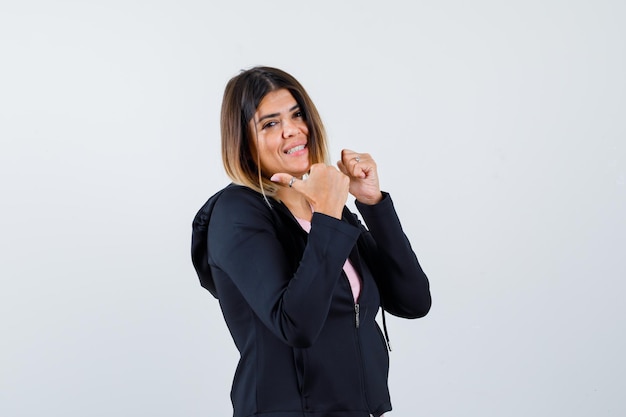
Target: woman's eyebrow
x: 269, y: 116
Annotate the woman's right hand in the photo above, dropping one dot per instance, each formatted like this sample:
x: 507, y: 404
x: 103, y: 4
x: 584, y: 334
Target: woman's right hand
x: 325, y: 188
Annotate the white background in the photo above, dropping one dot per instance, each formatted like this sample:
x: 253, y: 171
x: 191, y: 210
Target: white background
x: 499, y: 128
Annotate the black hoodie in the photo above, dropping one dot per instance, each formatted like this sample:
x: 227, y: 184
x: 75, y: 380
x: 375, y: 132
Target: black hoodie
x: 307, y: 349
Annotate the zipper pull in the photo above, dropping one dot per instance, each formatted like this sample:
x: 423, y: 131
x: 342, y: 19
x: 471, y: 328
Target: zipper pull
x: 356, y: 312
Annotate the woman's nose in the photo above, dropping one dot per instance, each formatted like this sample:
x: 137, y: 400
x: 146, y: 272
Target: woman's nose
x: 289, y: 129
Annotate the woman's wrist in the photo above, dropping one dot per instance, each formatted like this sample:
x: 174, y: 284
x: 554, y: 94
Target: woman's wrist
x: 370, y: 200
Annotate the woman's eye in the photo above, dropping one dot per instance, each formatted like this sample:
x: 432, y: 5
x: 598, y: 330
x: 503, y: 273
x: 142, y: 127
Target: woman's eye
x: 269, y: 124
x: 298, y: 114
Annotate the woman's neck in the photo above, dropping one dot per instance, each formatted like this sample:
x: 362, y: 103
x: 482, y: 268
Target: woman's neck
x: 296, y: 203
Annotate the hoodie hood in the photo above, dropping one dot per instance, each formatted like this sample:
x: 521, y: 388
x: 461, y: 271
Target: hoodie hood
x: 200, y: 243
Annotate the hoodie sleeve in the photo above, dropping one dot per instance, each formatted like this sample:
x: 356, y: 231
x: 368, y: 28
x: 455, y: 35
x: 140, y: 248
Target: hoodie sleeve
x: 403, y: 285
x: 245, y: 247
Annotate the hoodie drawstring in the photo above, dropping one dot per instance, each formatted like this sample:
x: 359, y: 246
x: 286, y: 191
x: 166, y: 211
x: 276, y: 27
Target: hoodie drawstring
x: 385, y: 331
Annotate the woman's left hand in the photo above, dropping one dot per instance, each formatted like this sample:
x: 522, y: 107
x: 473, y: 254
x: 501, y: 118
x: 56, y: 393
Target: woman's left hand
x: 361, y: 169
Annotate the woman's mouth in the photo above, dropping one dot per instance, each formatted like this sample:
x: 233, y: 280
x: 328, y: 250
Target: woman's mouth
x: 295, y: 149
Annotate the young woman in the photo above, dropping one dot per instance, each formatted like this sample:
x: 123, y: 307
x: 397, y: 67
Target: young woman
x: 299, y: 279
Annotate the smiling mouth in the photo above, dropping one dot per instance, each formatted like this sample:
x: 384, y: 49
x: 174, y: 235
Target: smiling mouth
x: 295, y: 149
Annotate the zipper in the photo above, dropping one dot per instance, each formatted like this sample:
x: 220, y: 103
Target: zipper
x: 357, y: 323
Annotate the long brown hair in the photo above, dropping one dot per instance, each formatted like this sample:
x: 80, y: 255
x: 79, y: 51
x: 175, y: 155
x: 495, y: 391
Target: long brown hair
x: 242, y: 96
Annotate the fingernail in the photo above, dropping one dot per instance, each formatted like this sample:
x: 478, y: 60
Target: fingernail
x: 274, y: 178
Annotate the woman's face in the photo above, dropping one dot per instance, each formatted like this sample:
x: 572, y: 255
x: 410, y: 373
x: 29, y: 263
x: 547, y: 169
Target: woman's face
x: 282, y: 135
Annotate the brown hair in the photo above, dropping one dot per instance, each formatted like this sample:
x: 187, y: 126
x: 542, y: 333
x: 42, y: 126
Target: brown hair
x: 242, y: 96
